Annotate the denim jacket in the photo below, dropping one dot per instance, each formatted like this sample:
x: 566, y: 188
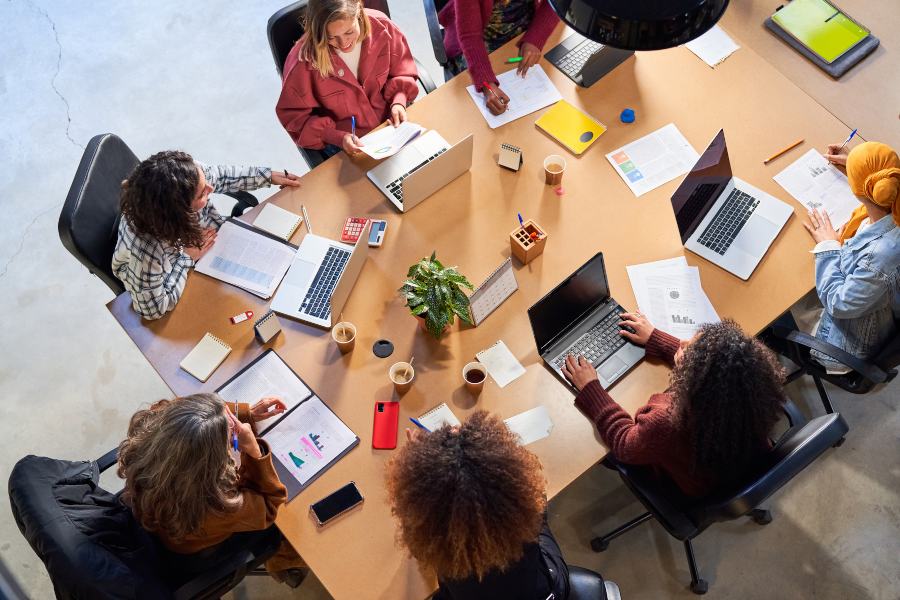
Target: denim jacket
x: 859, y: 286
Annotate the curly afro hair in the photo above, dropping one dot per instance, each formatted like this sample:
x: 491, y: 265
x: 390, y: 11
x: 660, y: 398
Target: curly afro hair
x: 467, y: 501
x: 727, y: 396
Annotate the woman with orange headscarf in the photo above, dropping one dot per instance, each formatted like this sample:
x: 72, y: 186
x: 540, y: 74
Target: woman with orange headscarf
x: 858, y: 265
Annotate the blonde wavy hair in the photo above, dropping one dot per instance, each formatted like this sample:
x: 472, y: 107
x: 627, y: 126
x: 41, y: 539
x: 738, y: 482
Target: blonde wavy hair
x: 176, y: 465
x: 319, y: 15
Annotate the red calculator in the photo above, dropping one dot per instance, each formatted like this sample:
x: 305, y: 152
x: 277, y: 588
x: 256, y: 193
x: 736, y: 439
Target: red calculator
x: 352, y: 230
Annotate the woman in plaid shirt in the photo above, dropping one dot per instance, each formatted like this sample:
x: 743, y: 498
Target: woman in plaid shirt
x: 168, y: 223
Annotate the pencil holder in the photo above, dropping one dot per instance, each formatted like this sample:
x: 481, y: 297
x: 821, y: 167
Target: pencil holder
x: 523, y: 246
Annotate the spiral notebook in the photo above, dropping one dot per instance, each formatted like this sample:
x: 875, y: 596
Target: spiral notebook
x: 267, y: 327
x: 510, y: 157
x: 206, y: 357
x: 500, y: 363
x: 437, y: 417
x: 278, y: 221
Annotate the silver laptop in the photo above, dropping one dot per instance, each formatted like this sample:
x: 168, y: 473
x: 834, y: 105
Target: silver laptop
x: 581, y: 318
x: 421, y: 169
x: 725, y: 220
x: 319, y: 281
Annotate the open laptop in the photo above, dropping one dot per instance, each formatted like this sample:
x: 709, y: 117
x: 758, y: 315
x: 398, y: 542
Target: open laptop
x: 725, y: 220
x: 319, y: 281
x: 580, y: 317
x: 585, y: 61
x: 421, y: 169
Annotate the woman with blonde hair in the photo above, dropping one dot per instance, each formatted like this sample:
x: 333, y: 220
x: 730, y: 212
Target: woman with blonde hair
x: 184, y: 485
x: 352, y: 62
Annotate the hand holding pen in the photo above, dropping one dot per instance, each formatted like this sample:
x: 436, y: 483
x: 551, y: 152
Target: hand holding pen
x: 242, y: 438
x: 496, y: 101
x: 350, y: 142
x: 837, y: 154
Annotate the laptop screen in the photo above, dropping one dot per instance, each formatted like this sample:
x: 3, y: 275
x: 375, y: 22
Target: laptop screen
x: 571, y: 301
x: 701, y: 187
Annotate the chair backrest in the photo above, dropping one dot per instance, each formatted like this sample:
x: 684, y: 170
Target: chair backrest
x: 89, y: 221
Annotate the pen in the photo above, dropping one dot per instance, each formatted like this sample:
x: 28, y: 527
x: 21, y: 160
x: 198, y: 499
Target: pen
x: 233, y: 428
x: 353, y: 127
x: 512, y: 60
x: 847, y: 141
x: 521, y: 222
x: 494, y: 93
x: 286, y: 174
x: 774, y: 156
x: 306, y: 218
x: 420, y: 425
x: 832, y: 16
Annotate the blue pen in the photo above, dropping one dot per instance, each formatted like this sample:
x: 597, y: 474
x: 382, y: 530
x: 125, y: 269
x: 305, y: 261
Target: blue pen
x: 521, y: 222
x: 420, y: 425
x: 847, y: 142
x: 353, y: 125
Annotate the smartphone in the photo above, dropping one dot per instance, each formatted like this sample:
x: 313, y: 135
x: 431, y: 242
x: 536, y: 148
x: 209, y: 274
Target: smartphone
x: 384, y: 427
x: 336, y: 503
x: 376, y: 236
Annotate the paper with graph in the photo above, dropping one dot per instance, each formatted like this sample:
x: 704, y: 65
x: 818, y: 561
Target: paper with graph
x: 816, y: 183
x: 526, y: 95
x: 390, y: 140
x: 653, y: 160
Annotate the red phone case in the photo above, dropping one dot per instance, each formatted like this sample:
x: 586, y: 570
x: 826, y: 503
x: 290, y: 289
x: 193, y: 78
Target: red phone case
x: 384, y: 429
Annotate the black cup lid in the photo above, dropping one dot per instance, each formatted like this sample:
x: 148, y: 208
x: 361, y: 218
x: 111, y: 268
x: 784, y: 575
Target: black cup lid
x: 383, y: 348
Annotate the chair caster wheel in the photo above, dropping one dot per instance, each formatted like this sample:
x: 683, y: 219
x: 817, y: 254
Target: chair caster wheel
x: 700, y: 587
x: 763, y: 519
x: 599, y: 544
x: 840, y: 442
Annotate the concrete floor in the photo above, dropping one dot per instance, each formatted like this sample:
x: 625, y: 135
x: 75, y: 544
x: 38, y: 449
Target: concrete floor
x: 199, y: 77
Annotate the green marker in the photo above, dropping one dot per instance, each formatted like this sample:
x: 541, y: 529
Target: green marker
x: 512, y: 60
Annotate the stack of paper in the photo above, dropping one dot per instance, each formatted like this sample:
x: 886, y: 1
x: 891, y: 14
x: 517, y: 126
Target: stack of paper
x: 669, y: 294
x: 713, y: 47
x: 816, y: 183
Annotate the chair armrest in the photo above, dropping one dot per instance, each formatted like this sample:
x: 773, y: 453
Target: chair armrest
x: 244, y: 199
x: 108, y: 459
x: 224, y: 569
x: 434, y: 31
x: 794, y: 416
x: 425, y: 77
x: 867, y: 370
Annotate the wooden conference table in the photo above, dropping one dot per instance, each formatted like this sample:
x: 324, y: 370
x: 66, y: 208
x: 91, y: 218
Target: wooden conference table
x: 468, y: 224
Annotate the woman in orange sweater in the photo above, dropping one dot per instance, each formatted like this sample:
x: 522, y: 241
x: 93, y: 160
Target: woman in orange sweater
x: 186, y: 487
x: 714, y: 421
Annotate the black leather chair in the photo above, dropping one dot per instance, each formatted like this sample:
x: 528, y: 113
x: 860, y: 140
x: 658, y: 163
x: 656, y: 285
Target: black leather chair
x: 800, y: 445
x: 283, y: 31
x: 436, y: 33
x: 89, y: 221
x: 585, y: 584
x: 93, y: 547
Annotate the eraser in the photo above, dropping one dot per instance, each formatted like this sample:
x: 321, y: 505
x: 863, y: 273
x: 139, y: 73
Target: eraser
x: 242, y: 317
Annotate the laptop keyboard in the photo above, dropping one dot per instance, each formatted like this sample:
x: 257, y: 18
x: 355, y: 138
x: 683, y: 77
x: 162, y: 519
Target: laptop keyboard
x: 694, y: 204
x: 396, y: 190
x: 571, y: 63
x: 318, y: 299
x: 728, y: 223
x: 599, y: 342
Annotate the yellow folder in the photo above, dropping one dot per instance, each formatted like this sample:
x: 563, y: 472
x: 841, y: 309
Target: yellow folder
x: 571, y: 127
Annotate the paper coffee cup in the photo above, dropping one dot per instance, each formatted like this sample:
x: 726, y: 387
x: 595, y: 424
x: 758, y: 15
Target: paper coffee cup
x: 345, y: 335
x: 553, y: 169
x: 402, y: 374
x: 474, y: 374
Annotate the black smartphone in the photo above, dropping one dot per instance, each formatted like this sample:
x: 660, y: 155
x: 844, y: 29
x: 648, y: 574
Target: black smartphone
x: 336, y: 503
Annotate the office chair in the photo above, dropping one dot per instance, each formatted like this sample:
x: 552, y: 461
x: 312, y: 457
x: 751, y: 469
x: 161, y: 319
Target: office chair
x: 796, y: 346
x: 585, y: 584
x: 285, y: 28
x: 93, y: 547
x: 436, y: 33
x: 89, y: 221
x: 798, y: 448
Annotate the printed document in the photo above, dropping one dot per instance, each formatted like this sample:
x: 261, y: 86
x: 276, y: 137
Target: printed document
x: 526, y: 95
x: 654, y: 159
x: 531, y: 425
x: 816, y: 183
x: 390, y: 140
x: 713, y: 47
x: 247, y: 259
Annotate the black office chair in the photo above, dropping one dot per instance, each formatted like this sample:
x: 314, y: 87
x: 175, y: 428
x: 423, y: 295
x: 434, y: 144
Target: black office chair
x: 285, y: 28
x: 585, y: 584
x: 93, y: 547
x: 796, y: 346
x: 798, y: 448
x: 89, y: 221
x: 436, y: 33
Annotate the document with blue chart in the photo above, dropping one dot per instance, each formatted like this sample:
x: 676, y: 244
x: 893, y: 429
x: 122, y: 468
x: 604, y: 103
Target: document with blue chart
x: 248, y: 258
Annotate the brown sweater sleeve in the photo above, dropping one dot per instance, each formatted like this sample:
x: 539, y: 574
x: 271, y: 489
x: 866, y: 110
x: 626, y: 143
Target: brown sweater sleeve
x: 662, y: 345
x: 262, y: 492
x: 242, y: 411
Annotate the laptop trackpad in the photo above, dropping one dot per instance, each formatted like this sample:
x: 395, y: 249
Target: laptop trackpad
x: 756, y: 236
x: 300, y: 273
x: 611, y: 367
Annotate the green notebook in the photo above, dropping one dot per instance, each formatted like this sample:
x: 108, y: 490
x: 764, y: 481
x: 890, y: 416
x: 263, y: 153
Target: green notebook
x: 821, y: 27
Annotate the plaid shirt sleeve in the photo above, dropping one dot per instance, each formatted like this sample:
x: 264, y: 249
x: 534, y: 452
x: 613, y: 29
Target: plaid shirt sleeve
x: 233, y: 179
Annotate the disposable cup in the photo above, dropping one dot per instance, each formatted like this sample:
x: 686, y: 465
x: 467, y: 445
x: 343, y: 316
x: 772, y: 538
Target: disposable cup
x: 402, y: 374
x: 474, y: 367
x: 345, y: 335
x: 554, y: 166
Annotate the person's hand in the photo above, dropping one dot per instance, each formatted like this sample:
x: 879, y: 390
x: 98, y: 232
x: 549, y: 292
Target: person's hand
x: 821, y: 228
x: 640, y: 324
x: 285, y: 180
x: 351, y: 144
x: 209, y: 238
x: 398, y: 115
x: 262, y: 410
x: 579, y: 371
x: 530, y: 54
x: 413, y: 435
x: 837, y: 159
x: 246, y: 440
x: 498, y: 102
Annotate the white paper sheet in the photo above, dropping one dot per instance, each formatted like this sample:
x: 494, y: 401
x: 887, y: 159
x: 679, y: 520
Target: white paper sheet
x: 654, y: 159
x: 531, y: 425
x: 268, y: 377
x: 713, y: 47
x: 816, y: 183
x: 640, y: 294
x: 672, y: 298
x: 309, y: 438
x: 500, y: 363
x: 390, y: 140
x: 244, y: 258
x: 526, y: 95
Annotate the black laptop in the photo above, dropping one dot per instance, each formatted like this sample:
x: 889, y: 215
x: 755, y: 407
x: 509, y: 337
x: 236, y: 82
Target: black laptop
x: 585, y: 61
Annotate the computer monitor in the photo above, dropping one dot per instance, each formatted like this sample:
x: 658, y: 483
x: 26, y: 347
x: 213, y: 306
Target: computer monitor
x: 701, y: 187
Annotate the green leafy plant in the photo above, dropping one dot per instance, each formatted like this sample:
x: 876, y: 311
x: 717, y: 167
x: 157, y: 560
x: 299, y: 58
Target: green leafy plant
x: 432, y: 292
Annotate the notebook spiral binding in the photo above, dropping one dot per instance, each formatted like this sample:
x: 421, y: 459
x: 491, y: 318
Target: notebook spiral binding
x: 265, y: 318
x: 511, y: 147
x: 432, y: 411
x: 218, y: 340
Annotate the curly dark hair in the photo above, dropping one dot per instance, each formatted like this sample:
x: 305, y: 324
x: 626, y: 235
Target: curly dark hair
x: 727, y: 396
x: 157, y: 197
x: 468, y: 501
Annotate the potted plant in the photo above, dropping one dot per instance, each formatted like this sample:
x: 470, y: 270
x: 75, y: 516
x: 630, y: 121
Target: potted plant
x: 433, y: 296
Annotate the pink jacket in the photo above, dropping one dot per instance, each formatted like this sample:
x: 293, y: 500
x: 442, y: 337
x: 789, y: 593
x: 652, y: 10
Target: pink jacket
x: 316, y: 111
x: 465, y: 33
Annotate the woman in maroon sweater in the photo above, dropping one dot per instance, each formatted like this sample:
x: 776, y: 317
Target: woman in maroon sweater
x: 714, y: 421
